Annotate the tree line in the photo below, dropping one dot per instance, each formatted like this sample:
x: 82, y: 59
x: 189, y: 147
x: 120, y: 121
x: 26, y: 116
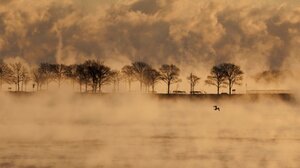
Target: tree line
x: 92, y: 75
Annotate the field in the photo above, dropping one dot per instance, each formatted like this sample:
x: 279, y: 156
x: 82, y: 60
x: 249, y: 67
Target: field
x: 62, y: 131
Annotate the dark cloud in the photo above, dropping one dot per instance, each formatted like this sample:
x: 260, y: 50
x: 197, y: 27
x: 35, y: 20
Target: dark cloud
x: 2, y: 24
x: 5, y: 2
x: 272, y: 76
x: 146, y: 6
x: 156, y: 31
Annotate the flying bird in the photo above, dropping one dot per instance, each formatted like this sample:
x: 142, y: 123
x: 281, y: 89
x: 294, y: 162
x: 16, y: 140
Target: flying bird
x: 217, y: 108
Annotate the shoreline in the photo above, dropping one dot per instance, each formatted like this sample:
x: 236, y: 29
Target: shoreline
x: 287, y: 97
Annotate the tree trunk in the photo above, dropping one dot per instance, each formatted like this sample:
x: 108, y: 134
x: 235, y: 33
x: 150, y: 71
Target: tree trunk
x: 100, y: 88
x: 169, y: 87
x: 191, y: 80
x: 118, y: 86
x: 218, y: 89
x: 95, y: 87
x: 86, y: 87
x: 114, y: 90
x: 191, y: 90
x: 18, y: 84
x: 129, y: 86
x: 141, y: 86
x: 230, y: 86
x: 153, y: 88
x: 80, y: 87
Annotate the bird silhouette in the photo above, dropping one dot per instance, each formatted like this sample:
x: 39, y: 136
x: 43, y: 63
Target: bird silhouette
x: 217, y: 108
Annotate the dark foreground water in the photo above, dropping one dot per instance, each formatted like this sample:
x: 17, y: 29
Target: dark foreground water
x: 152, y: 135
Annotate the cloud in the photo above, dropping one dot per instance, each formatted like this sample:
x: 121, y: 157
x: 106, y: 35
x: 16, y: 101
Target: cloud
x: 184, y: 32
x: 4, y: 2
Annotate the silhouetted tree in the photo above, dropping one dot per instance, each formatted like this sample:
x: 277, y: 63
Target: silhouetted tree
x: 139, y: 69
x: 45, y: 69
x: 92, y: 69
x: 104, y: 76
x: 70, y: 73
x: 193, y: 79
x: 82, y: 75
x: 128, y: 74
x: 152, y: 76
x: 216, y: 78
x: 38, y: 78
x: 233, y: 75
x: 169, y: 74
x: 58, y: 72
x: 5, y: 73
x: 19, y: 73
x: 116, y: 77
x: 99, y: 74
x: 25, y: 78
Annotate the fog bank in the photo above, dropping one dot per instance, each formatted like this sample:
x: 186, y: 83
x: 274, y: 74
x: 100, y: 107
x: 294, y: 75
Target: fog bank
x: 62, y: 130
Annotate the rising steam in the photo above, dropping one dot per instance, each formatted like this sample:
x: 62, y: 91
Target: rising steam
x: 67, y: 130
x: 155, y: 31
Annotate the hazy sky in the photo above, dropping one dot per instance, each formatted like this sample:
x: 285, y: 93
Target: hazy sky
x: 184, y: 32
x: 93, y: 2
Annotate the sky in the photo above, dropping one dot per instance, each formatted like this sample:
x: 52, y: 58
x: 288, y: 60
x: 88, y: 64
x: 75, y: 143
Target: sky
x: 195, y: 35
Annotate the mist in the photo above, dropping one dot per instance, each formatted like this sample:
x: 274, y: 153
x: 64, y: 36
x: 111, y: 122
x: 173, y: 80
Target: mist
x: 69, y: 130
x: 62, y: 128
x: 152, y: 31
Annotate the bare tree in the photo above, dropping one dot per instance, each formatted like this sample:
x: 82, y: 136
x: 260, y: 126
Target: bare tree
x: 18, y: 74
x: 139, y: 69
x: 25, y: 78
x: 169, y: 74
x: 38, y: 78
x: 104, y: 76
x: 92, y: 69
x: 193, y: 79
x: 45, y: 69
x: 83, y: 76
x: 116, y: 77
x: 216, y: 78
x: 99, y: 74
x: 233, y: 75
x: 70, y: 73
x: 128, y: 74
x: 152, y: 76
x: 5, y: 73
x: 58, y: 72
